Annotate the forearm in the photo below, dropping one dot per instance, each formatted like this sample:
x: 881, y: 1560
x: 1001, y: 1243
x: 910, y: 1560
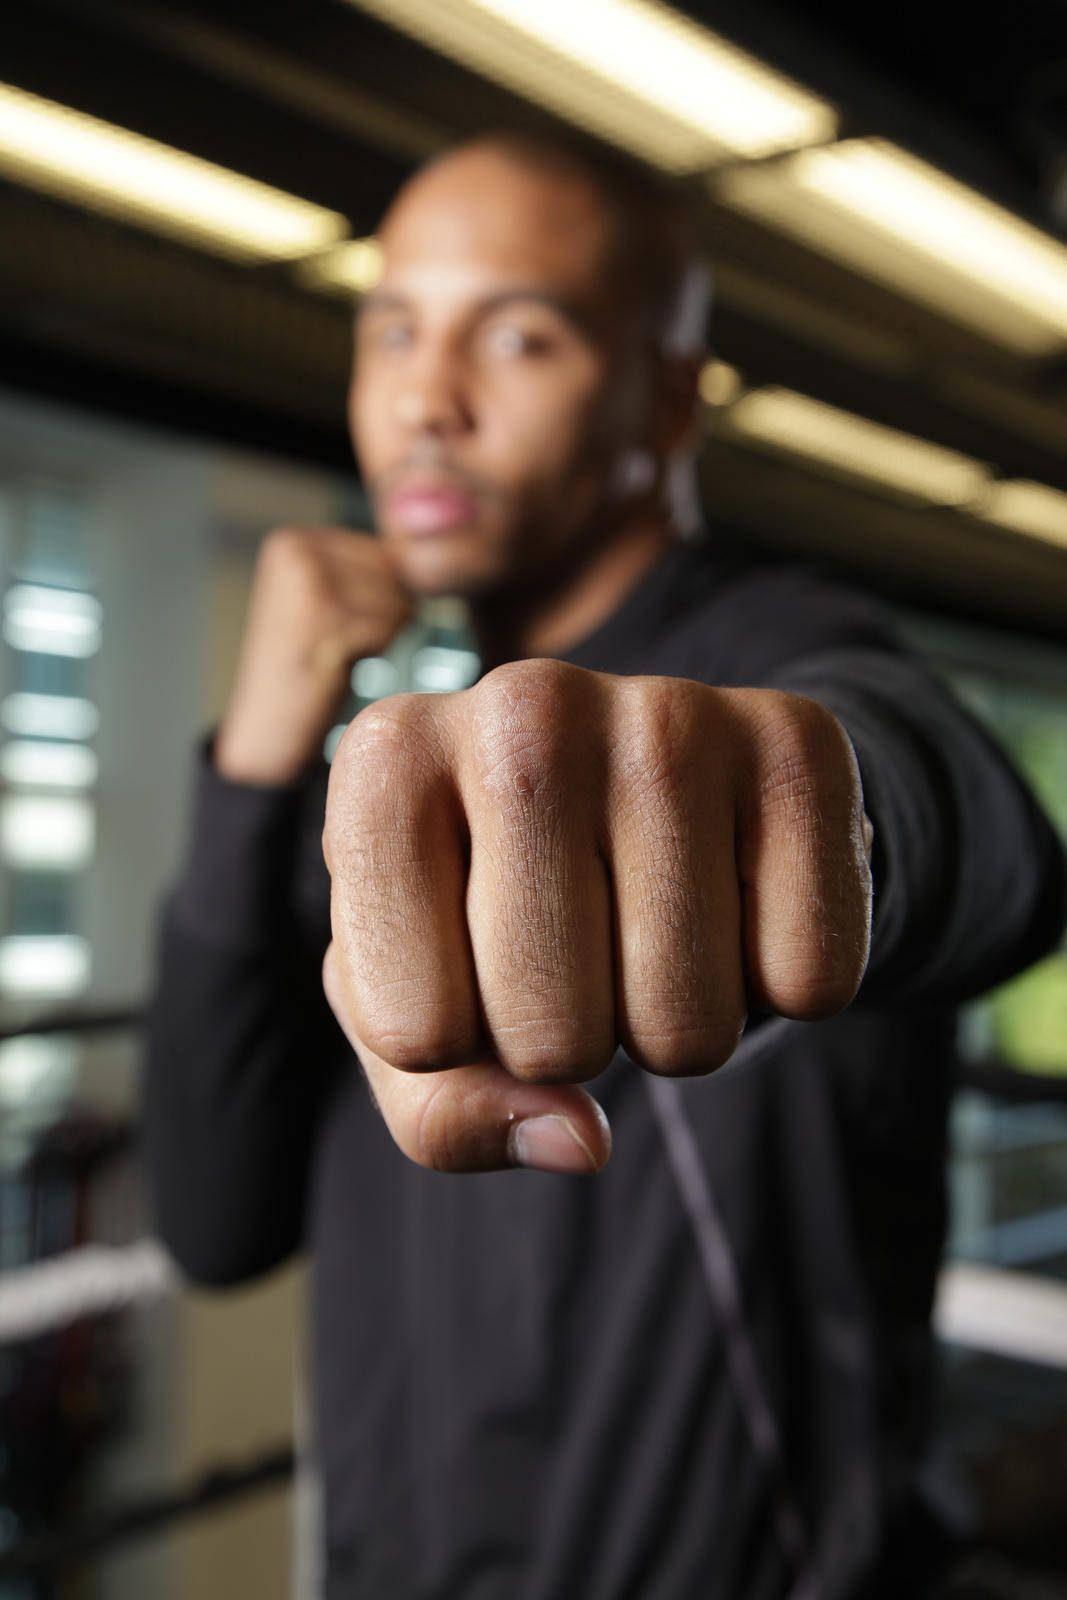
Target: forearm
x: 241, y: 1055
x: 242, y: 1048
x: 969, y: 875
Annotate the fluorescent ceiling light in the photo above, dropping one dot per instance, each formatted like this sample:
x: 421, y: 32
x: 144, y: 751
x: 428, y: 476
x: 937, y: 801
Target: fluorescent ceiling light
x: 841, y: 443
x: 106, y: 168
x: 720, y: 383
x: 1025, y: 507
x: 894, y: 218
x: 38, y: 764
x: 49, y: 716
x: 634, y: 72
x: 55, y: 622
x: 39, y: 832
x: 53, y: 964
x: 352, y: 268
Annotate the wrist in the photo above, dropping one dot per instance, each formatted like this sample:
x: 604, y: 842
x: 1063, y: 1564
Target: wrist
x: 241, y: 756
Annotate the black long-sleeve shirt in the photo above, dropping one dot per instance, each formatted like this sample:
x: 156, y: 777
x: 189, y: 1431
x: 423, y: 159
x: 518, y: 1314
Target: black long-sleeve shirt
x: 704, y: 1371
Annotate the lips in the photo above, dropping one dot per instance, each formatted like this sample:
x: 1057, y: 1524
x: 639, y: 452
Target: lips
x: 430, y: 508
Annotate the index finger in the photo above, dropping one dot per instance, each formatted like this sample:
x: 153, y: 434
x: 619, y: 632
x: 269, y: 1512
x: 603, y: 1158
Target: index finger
x: 395, y: 848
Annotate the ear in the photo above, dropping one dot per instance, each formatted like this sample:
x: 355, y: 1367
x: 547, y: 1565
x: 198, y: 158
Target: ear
x: 656, y: 406
x: 678, y: 401
x: 633, y: 473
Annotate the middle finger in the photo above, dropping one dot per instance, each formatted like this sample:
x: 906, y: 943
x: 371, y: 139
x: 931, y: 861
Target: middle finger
x: 538, y: 901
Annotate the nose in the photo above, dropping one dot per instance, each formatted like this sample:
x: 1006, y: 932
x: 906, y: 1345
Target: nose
x: 432, y: 398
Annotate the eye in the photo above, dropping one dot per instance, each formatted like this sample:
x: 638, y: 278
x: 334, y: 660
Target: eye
x: 394, y: 336
x: 508, y: 339
x: 381, y: 334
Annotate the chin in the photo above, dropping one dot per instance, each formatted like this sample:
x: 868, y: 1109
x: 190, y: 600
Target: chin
x: 448, y: 566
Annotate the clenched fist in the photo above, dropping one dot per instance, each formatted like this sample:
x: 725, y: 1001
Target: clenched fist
x: 321, y: 599
x: 532, y: 872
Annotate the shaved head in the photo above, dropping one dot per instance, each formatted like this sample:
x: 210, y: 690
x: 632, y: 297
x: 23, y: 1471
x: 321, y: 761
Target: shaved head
x: 655, y: 261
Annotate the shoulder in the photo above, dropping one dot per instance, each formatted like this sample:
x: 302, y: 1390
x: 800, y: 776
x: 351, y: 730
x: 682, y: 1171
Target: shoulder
x: 754, y: 616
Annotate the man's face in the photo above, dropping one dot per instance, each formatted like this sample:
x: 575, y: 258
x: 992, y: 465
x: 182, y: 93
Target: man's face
x: 487, y: 397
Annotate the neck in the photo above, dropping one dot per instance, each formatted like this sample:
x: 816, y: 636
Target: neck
x: 549, y: 620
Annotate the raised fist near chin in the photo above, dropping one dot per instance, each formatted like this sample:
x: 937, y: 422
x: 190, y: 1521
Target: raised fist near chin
x: 531, y: 873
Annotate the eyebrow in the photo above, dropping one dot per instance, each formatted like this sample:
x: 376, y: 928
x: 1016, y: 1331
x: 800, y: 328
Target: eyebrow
x: 564, y: 305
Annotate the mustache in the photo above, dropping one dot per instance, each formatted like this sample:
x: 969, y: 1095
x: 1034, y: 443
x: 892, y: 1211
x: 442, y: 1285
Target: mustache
x: 438, y: 462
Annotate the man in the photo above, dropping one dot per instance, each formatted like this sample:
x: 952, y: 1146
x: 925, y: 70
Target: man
x: 685, y: 1352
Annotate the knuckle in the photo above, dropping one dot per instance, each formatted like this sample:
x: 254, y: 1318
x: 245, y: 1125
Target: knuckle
x: 380, y: 771
x: 413, y: 1043
x: 384, y: 741
x: 691, y: 1047
x: 666, y: 707
x: 803, y: 765
x: 524, y: 684
x: 289, y: 564
x: 821, y: 977
x: 280, y: 538
x: 657, y: 729
x: 523, y: 695
x: 809, y: 995
x: 285, y: 546
x: 523, y: 729
x: 549, y: 1056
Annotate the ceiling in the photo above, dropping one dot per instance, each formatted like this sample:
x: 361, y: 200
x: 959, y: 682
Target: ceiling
x: 324, y: 102
x: 1001, y: 76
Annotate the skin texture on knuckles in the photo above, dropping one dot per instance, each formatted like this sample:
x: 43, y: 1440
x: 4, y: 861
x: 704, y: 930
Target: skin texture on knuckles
x: 529, y: 873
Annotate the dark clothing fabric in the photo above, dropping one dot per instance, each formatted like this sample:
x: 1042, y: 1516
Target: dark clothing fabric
x: 704, y: 1372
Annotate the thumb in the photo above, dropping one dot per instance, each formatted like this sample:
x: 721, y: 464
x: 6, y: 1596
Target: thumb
x: 477, y: 1117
